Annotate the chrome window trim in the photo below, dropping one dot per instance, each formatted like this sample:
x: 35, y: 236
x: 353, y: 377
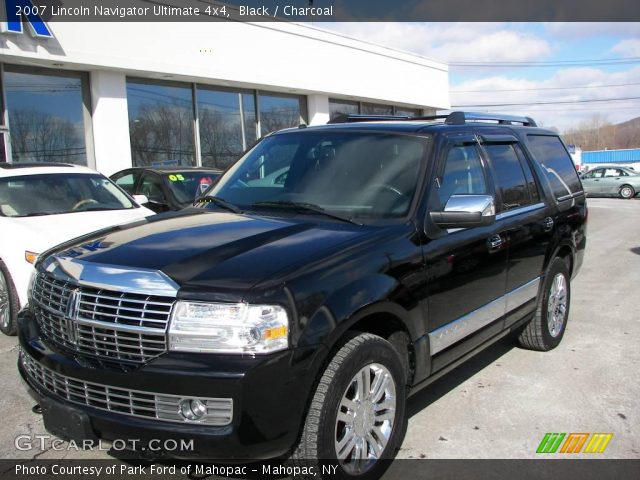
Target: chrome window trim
x: 568, y: 197
x: 519, y: 210
x: 446, y: 335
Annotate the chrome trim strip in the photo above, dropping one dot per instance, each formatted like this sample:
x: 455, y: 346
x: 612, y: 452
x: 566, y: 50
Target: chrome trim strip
x: 454, y: 331
x: 111, y: 277
x: 521, y: 295
x: 568, y: 197
x: 517, y: 211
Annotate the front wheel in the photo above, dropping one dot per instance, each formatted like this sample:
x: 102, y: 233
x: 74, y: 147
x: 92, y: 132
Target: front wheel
x: 357, y: 414
x: 8, y: 302
x: 627, y: 192
x: 546, y: 329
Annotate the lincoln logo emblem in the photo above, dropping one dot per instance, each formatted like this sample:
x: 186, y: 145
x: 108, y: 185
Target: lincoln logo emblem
x: 71, y: 315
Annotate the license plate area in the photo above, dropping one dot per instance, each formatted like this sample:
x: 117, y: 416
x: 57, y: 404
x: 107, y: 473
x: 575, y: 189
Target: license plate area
x: 66, y: 422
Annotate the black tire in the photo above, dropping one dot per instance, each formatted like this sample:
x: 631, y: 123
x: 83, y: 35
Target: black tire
x: 321, y: 427
x: 538, y: 334
x: 8, y: 302
x: 627, y: 192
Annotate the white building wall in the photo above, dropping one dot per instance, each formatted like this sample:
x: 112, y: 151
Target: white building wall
x: 110, y: 121
x: 318, y: 107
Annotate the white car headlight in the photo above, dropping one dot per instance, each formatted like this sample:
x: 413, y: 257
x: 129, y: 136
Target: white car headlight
x: 228, y: 328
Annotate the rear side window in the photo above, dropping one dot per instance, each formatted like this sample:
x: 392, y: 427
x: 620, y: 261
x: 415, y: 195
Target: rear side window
x: 556, y: 163
x: 509, y: 176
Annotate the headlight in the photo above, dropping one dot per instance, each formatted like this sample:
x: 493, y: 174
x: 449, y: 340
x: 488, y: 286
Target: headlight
x: 228, y: 328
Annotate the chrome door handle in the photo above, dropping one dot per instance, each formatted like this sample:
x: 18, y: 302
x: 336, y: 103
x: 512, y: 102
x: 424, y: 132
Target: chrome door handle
x: 547, y: 223
x: 495, y: 242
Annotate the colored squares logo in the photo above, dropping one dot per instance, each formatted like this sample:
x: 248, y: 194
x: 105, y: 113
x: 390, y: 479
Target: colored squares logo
x: 574, y: 443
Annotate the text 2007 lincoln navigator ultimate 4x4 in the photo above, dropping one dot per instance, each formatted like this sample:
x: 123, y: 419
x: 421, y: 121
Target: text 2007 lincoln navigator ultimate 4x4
x: 330, y: 273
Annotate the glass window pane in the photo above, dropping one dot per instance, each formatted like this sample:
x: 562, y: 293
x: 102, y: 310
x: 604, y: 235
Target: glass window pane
x: 509, y: 177
x: 220, y: 120
x: 557, y: 164
x: 375, y: 109
x: 46, y: 120
x: 250, y: 121
x: 463, y: 173
x: 409, y: 112
x: 278, y: 112
x: 160, y: 124
x: 342, y: 107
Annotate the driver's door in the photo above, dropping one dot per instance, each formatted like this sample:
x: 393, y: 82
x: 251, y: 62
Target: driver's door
x: 466, y: 268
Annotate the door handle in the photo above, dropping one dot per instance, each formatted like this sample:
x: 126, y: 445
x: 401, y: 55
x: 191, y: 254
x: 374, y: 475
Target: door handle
x: 548, y: 224
x: 494, y: 242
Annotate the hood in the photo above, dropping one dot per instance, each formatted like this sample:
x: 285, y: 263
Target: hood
x: 41, y: 233
x: 205, y: 250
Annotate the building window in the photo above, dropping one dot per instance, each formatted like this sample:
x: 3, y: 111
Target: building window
x: 342, y: 107
x: 227, y: 125
x: 409, y: 112
x: 376, y: 109
x: 279, y: 111
x: 47, y: 113
x: 161, y: 123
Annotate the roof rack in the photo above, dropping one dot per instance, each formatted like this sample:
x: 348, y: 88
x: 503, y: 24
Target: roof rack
x: 453, y: 118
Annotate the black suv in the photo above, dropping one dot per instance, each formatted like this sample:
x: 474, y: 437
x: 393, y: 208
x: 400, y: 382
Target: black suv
x: 293, y: 318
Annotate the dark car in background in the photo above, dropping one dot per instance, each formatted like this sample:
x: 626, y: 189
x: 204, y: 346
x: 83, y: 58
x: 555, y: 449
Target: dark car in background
x: 166, y: 188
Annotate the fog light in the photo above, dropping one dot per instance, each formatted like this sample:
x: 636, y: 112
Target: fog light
x: 193, y: 409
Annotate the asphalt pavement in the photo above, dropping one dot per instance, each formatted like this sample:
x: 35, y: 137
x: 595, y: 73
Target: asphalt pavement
x: 500, y: 403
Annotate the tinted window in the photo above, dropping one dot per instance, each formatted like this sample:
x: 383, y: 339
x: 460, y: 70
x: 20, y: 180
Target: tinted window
x: 361, y: 175
x: 160, y: 123
x: 556, y: 163
x: 342, y: 107
x: 45, y: 116
x: 186, y: 186
x: 463, y: 173
x: 280, y: 111
x: 509, y: 176
x: 151, y: 186
x: 126, y: 181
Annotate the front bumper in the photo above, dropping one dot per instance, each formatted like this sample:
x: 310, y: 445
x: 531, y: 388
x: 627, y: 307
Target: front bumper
x: 269, y: 395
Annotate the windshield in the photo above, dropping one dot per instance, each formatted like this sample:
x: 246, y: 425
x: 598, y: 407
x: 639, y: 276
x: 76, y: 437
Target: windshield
x: 189, y: 185
x: 50, y: 194
x: 352, y: 174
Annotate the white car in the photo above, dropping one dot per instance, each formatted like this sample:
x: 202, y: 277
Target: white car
x: 43, y: 205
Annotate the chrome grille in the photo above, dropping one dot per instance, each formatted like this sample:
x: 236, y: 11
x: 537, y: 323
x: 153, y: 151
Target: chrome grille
x: 105, y: 324
x: 121, y: 400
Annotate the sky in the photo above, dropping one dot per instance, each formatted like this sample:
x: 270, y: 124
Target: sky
x: 527, y: 63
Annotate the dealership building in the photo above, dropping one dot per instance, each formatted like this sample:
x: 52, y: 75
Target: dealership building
x: 113, y: 95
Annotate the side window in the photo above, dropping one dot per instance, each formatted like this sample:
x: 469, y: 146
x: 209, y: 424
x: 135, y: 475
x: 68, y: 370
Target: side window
x: 509, y: 176
x: 463, y: 173
x: 597, y: 173
x: 612, y: 172
x: 151, y: 186
x: 126, y: 181
x: 557, y: 164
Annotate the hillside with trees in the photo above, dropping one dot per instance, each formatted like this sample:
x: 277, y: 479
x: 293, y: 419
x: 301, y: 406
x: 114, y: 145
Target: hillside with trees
x: 598, y: 134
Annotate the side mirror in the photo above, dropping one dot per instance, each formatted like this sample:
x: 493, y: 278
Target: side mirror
x: 466, y: 211
x: 141, y: 199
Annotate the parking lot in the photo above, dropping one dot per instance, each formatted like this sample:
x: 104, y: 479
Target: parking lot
x: 502, y: 402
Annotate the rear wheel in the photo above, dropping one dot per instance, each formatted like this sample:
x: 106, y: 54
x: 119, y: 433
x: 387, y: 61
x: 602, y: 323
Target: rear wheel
x: 8, y: 302
x: 546, y: 329
x: 357, y: 414
x: 627, y: 192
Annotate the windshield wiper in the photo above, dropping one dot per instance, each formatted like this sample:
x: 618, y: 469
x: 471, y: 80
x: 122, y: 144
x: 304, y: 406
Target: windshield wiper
x: 220, y: 202
x: 303, y: 207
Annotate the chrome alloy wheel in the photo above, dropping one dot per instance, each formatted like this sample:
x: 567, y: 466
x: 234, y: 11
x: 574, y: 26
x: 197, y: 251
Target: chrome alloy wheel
x: 365, y: 418
x: 5, y: 304
x: 557, y: 304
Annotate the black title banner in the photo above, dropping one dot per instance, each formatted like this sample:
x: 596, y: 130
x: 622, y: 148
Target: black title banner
x: 35, y: 11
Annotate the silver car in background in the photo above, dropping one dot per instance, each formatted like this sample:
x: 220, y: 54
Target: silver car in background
x: 611, y: 181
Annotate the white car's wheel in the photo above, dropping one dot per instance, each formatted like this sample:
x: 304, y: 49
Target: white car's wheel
x: 8, y: 302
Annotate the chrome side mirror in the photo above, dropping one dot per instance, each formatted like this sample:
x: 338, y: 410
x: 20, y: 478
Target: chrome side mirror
x: 466, y: 211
